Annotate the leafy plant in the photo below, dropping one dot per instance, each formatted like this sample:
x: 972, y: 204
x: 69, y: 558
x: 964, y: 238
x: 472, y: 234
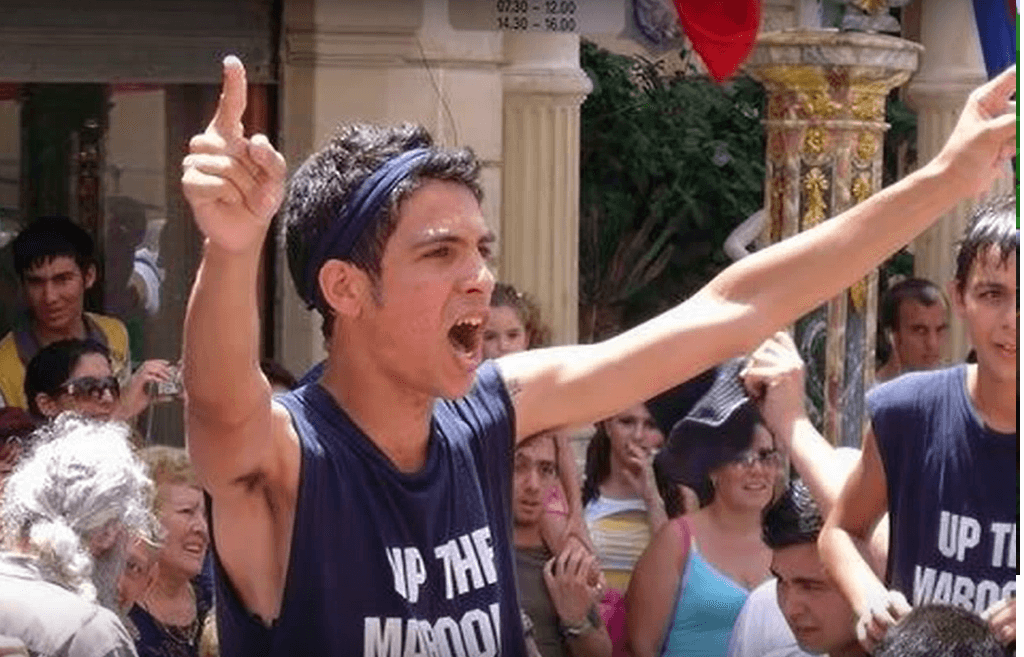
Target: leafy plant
x: 670, y: 164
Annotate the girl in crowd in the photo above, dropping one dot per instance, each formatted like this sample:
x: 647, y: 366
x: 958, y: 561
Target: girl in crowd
x: 514, y: 323
x: 623, y: 505
x: 693, y: 578
x: 169, y: 616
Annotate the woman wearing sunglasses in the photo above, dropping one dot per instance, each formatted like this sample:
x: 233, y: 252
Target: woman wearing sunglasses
x: 692, y: 580
x: 76, y: 375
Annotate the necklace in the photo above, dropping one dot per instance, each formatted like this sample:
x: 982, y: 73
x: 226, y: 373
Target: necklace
x: 178, y: 639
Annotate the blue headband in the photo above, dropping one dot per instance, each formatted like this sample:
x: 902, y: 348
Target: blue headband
x: 364, y: 204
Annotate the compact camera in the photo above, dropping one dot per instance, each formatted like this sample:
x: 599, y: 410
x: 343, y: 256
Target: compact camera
x: 171, y: 388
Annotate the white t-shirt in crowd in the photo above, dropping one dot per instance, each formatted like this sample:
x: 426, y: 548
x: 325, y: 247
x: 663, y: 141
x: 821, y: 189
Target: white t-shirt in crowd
x: 761, y: 629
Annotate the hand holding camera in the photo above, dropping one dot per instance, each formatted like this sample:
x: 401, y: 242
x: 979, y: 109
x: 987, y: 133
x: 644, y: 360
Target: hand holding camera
x: 155, y: 381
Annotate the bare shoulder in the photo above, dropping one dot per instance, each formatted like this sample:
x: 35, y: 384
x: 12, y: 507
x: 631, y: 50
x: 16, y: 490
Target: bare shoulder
x: 668, y: 539
x: 532, y: 376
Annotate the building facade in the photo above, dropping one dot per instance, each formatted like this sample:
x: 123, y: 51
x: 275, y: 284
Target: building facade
x: 97, y: 103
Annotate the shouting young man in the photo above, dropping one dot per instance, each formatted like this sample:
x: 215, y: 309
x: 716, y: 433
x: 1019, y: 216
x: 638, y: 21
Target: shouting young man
x: 371, y: 510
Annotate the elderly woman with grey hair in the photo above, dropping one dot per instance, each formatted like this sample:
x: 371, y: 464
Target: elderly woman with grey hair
x: 67, y: 514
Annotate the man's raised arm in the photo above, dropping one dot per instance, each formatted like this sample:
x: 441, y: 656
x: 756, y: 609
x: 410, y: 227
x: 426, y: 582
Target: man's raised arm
x: 234, y: 186
x: 767, y: 290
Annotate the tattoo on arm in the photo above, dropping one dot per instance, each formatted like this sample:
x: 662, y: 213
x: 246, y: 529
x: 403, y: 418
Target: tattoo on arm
x: 514, y: 388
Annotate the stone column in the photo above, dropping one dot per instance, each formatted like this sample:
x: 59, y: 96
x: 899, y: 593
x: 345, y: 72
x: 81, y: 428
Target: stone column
x: 826, y: 120
x: 951, y: 67
x: 543, y: 90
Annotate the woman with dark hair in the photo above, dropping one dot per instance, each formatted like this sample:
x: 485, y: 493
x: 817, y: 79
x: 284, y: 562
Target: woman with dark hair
x: 71, y: 375
x: 693, y: 578
x: 625, y: 495
x: 514, y: 323
x: 76, y: 375
x: 622, y: 503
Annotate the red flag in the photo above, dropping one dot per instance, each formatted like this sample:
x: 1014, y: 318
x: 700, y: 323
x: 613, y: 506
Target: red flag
x: 722, y: 32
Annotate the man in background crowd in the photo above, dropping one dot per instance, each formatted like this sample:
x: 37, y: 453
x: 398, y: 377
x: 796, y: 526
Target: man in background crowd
x: 55, y: 262
x: 915, y: 320
x: 557, y: 591
x: 816, y: 612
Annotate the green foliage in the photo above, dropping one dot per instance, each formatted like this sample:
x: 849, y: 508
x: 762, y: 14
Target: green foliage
x: 670, y: 164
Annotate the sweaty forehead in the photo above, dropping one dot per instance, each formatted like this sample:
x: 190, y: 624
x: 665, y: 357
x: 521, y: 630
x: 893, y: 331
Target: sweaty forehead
x: 438, y: 207
x: 178, y: 493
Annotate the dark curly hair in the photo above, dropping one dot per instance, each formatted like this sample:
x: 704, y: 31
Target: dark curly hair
x: 940, y: 630
x: 320, y: 190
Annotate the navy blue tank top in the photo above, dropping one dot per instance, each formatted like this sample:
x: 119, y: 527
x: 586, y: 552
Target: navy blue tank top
x: 953, y: 492
x: 393, y: 564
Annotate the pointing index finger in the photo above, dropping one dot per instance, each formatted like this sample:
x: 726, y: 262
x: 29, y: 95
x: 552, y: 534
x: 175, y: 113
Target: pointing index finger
x: 227, y: 122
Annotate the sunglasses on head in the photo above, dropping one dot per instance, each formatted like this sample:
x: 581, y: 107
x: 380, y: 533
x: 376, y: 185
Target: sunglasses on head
x: 91, y: 388
x: 770, y: 458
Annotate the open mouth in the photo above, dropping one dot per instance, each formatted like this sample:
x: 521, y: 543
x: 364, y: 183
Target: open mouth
x: 466, y: 336
x: 198, y: 549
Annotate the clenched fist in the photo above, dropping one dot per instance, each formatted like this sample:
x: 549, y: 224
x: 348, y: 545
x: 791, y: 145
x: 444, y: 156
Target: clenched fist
x: 233, y: 184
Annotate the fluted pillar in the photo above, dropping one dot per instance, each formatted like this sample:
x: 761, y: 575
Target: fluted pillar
x: 826, y: 120
x: 951, y: 67
x: 543, y: 90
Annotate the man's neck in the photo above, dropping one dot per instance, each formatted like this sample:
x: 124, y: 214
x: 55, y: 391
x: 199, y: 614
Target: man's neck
x: 994, y: 400
x: 46, y: 335
x: 527, y: 536
x: 889, y: 370
x: 395, y: 419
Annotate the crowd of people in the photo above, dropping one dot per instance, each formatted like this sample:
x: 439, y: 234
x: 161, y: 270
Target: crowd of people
x: 417, y: 492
